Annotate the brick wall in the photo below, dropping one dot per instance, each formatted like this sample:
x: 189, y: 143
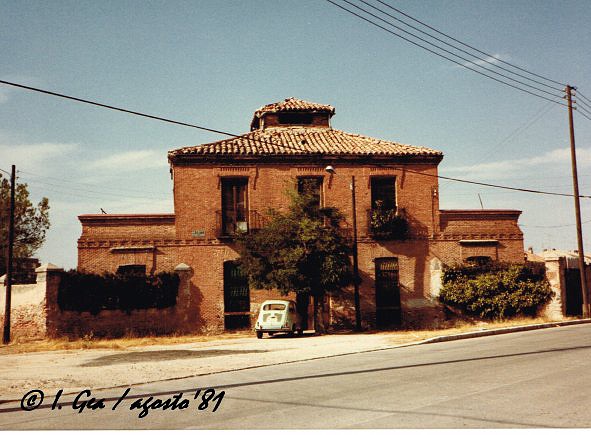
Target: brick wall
x: 198, y: 192
x: 127, y: 226
x: 36, y: 314
x: 437, y: 237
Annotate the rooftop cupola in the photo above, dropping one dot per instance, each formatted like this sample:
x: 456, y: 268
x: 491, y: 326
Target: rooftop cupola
x: 292, y: 113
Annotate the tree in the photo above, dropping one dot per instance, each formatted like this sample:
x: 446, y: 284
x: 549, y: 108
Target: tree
x: 30, y: 223
x: 301, y: 251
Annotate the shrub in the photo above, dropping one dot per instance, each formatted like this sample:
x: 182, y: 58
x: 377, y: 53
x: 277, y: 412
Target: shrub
x: 91, y: 292
x: 387, y: 224
x: 495, y: 290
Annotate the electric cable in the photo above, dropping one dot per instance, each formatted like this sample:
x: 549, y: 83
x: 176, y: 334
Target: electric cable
x: 580, y: 94
x: 118, y: 189
x: 443, y: 56
x: 133, y: 112
x: 583, y: 115
x: 485, y: 60
x: 553, y: 226
x: 469, y: 46
x: 451, y: 53
x: 545, y: 109
x: 268, y: 143
x: 478, y: 183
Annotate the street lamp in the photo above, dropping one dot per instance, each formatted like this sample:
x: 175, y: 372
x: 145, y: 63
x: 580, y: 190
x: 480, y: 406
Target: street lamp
x: 356, y: 280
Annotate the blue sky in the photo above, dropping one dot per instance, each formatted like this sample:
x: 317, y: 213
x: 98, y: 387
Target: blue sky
x: 214, y: 62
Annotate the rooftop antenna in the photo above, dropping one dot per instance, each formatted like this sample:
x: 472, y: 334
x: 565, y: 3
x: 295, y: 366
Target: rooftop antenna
x: 480, y: 199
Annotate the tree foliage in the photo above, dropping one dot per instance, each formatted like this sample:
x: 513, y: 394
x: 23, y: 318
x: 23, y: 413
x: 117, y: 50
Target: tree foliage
x: 302, y: 251
x: 30, y: 222
x: 495, y: 290
x: 79, y: 291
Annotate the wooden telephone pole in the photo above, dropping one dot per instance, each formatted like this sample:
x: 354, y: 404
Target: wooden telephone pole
x: 8, y: 282
x: 573, y: 156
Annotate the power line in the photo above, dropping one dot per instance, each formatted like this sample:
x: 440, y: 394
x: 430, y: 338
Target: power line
x: 124, y: 195
x: 451, y: 53
x: 553, y: 226
x: 497, y: 186
x: 485, y: 60
x: 581, y: 100
x: 582, y: 109
x: 520, y: 129
x: 583, y: 115
x: 100, y: 196
x: 469, y: 46
x: 132, y: 112
x: 118, y: 189
x: 268, y: 143
x: 580, y: 94
x: 443, y: 56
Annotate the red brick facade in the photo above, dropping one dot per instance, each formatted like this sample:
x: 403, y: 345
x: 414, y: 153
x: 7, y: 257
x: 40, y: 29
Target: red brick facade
x: 270, y: 159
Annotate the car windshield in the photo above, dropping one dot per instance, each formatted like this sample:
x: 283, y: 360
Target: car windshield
x: 274, y: 307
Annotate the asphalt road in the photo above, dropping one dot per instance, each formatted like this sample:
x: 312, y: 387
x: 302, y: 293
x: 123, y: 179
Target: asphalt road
x: 530, y: 379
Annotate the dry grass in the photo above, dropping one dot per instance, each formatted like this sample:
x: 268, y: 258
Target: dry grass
x: 395, y: 337
x: 460, y: 327
x: 89, y: 342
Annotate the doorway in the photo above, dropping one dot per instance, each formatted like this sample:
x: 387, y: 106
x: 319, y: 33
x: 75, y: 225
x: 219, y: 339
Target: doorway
x: 388, y: 309
x: 236, y: 297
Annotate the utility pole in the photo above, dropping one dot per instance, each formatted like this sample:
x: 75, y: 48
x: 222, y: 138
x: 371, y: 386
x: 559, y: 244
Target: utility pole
x: 8, y: 282
x: 355, y: 259
x: 573, y: 156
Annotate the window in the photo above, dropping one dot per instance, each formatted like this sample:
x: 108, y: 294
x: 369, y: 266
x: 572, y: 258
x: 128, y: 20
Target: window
x: 313, y: 186
x: 132, y: 269
x: 383, y: 191
x: 234, y: 205
x: 274, y: 307
x: 295, y: 118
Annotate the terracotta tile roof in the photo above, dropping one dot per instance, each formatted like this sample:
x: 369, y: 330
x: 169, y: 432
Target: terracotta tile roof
x: 303, y: 141
x: 293, y: 105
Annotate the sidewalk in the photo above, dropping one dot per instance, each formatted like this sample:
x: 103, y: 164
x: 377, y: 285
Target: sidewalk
x: 74, y: 370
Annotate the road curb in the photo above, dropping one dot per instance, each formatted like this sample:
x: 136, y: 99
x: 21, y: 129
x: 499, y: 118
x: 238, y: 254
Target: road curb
x: 500, y: 331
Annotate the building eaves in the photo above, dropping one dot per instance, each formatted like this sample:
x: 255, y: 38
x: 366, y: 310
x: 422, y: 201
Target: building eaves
x: 302, y: 141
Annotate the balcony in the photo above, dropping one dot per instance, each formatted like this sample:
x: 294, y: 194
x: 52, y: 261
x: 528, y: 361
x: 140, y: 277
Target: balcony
x: 387, y: 224
x: 228, y: 224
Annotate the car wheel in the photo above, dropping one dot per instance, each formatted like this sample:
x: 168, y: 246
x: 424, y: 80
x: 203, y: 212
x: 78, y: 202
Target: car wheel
x: 259, y: 334
x: 300, y: 332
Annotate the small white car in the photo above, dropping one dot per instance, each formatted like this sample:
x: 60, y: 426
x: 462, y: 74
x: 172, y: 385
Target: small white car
x: 278, y: 315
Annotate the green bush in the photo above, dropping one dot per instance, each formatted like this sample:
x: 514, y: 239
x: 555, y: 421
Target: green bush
x: 496, y: 290
x: 387, y: 224
x: 91, y: 292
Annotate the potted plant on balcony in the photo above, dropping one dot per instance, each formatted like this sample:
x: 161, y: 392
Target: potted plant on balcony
x: 387, y: 224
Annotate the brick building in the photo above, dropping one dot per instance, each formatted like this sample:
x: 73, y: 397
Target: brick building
x: 226, y: 186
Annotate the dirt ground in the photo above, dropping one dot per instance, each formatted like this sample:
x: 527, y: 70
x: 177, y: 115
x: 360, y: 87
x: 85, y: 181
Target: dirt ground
x: 46, y: 366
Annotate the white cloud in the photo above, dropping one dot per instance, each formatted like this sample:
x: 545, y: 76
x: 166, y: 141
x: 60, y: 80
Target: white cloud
x: 131, y: 160
x: 494, y: 59
x: 35, y: 156
x: 499, y: 168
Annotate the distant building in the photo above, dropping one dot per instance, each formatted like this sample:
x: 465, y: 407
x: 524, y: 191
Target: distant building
x: 227, y: 186
x: 562, y: 270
